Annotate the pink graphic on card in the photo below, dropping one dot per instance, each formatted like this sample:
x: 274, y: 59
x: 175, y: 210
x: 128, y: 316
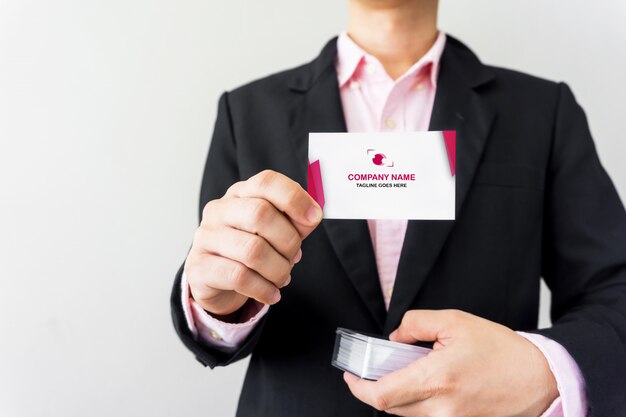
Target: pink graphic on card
x: 379, y: 158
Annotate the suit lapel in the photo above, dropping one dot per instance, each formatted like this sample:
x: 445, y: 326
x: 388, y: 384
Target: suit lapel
x: 319, y: 109
x: 457, y: 107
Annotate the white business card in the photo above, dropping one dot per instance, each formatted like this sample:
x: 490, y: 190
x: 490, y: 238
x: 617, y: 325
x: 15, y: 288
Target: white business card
x: 384, y: 175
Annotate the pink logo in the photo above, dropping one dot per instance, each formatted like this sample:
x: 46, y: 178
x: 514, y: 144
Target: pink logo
x: 379, y: 158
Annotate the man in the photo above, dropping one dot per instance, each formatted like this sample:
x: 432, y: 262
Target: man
x: 267, y: 277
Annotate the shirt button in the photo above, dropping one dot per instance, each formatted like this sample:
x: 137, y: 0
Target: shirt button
x: 389, y: 293
x: 419, y: 86
x: 355, y: 85
x: 215, y: 336
x: 371, y: 69
x: 390, y: 123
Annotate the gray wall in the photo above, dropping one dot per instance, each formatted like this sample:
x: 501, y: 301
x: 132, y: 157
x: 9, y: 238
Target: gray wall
x: 106, y: 110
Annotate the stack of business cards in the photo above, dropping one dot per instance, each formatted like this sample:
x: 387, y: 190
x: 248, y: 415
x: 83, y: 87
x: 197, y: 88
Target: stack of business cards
x: 371, y: 358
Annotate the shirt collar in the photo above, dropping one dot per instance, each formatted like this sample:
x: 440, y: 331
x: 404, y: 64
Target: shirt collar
x: 350, y: 56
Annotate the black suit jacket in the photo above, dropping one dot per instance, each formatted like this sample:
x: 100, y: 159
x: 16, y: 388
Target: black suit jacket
x: 532, y: 201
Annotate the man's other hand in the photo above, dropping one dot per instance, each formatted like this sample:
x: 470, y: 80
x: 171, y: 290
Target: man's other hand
x: 477, y: 368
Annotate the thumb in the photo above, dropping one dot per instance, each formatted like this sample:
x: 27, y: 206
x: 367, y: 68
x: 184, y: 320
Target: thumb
x: 425, y: 326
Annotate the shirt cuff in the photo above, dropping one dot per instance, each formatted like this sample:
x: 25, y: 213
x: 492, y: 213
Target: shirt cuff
x: 572, y: 400
x: 221, y: 335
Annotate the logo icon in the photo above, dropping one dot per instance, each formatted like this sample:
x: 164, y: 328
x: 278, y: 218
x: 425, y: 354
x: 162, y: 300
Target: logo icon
x: 379, y: 159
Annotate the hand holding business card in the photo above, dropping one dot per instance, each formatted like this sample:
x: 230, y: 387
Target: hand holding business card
x: 384, y: 175
x: 477, y: 367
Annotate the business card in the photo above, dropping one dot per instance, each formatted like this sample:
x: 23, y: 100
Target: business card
x: 370, y: 357
x: 408, y: 175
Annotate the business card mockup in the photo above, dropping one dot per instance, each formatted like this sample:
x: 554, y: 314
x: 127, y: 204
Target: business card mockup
x: 408, y: 175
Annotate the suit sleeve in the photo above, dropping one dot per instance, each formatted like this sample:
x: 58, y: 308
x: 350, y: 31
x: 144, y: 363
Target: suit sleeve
x: 584, y: 260
x: 220, y: 172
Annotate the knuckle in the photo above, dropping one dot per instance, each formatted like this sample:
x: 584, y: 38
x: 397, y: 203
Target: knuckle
x: 292, y: 197
x: 239, y: 276
x: 265, y: 178
x: 455, y: 314
x: 260, y: 213
x: 409, y: 319
x: 254, y: 248
x: 233, y: 188
x: 293, y: 243
x: 208, y: 210
x: 203, y: 290
x: 268, y: 294
x: 381, y: 402
x: 198, y: 277
x: 203, y: 239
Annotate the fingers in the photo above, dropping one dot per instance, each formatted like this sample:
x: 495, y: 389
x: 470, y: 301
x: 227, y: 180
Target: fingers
x: 394, y: 390
x: 283, y: 193
x: 248, y: 249
x: 249, y: 240
x: 426, y: 325
x: 219, y: 273
x: 256, y: 216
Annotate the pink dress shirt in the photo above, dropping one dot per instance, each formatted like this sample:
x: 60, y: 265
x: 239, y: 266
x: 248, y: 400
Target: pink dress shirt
x: 372, y: 101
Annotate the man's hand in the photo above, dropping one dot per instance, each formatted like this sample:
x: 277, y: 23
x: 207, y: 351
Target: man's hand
x: 248, y: 242
x: 477, y: 368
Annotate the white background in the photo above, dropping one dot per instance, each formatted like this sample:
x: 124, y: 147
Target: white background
x: 106, y: 110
